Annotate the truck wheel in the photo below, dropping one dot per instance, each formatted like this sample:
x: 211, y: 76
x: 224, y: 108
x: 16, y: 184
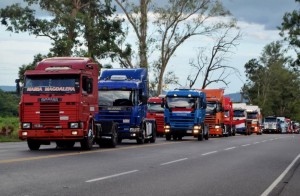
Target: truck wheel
x: 87, y: 142
x: 33, y: 145
x: 153, y: 138
x: 119, y: 140
x: 114, y: 137
x: 168, y: 136
x: 141, y: 139
x: 175, y: 137
x: 200, y: 136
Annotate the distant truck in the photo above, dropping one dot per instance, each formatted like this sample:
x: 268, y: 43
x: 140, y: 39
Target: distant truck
x: 254, y: 119
x: 228, y: 116
x: 271, y: 125
x: 58, y: 103
x: 184, y: 114
x: 215, y: 112
x: 154, y: 110
x: 239, y: 118
x: 285, y: 124
x: 123, y: 95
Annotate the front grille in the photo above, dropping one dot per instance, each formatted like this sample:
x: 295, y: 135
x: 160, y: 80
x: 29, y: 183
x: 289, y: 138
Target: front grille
x: 49, y: 114
x: 182, y: 122
x: 116, y: 116
x: 210, y: 120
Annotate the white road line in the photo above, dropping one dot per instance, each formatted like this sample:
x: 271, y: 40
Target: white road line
x: 274, y: 184
x: 112, y: 176
x: 230, y: 148
x: 174, y: 161
x: 209, y: 153
x: 256, y: 142
x: 271, y: 139
x: 264, y: 141
x: 246, y: 145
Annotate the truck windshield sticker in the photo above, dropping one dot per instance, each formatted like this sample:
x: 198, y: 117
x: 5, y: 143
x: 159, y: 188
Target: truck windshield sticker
x: 49, y: 89
x: 51, y: 83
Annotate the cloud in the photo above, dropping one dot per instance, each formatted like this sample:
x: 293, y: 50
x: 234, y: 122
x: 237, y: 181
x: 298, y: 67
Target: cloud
x: 265, y: 12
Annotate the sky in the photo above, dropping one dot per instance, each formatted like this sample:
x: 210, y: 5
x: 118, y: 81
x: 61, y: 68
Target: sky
x: 257, y: 19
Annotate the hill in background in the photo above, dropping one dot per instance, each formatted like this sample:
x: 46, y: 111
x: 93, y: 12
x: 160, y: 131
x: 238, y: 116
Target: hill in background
x: 8, y: 88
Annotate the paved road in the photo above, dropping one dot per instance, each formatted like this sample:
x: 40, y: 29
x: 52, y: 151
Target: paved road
x: 240, y: 165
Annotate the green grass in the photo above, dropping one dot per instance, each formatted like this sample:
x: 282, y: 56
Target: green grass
x: 13, y: 124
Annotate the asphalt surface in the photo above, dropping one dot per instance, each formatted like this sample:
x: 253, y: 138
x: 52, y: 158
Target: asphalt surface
x: 239, y: 165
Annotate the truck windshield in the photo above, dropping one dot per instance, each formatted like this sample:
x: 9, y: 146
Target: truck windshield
x: 116, y: 98
x: 181, y: 102
x: 51, y: 83
x: 211, y: 107
x: 252, y: 115
x: 238, y: 113
x: 270, y: 120
x: 155, y: 107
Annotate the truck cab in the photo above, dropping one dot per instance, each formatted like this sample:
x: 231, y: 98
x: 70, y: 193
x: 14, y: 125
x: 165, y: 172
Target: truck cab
x: 123, y: 95
x: 155, y: 111
x: 239, y: 118
x: 215, y: 112
x: 184, y: 114
x: 271, y: 124
x: 228, y: 116
x: 59, y: 99
x: 254, y: 119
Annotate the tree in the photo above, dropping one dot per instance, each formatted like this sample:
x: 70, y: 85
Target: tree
x: 272, y: 84
x: 67, y: 22
x: 215, y: 61
x: 137, y: 16
x: 8, y: 104
x: 290, y: 30
x: 175, y: 22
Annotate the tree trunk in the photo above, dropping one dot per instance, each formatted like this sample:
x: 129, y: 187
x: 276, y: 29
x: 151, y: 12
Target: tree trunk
x: 143, y: 34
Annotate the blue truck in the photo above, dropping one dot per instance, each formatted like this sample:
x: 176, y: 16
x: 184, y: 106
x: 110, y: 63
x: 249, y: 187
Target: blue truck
x: 184, y: 114
x: 123, y: 95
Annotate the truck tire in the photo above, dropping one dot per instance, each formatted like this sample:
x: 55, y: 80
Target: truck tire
x: 168, y: 136
x: 200, y: 136
x: 33, y: 145
x: 141, y: 138
x: 88, y: 140
x: 114, y: 138
x: 153, y: 138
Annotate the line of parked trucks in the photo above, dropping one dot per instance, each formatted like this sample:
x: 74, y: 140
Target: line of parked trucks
x: 65, y: 101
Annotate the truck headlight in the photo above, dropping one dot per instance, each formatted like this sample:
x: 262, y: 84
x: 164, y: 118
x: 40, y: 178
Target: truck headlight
x: 26, y: 125
x: 197, y: 127
x: 217, y: 127
x: 167, y: 126
x: 167, y: 130
x: 74, y: 125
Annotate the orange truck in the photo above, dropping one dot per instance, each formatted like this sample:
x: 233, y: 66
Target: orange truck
x: 228, y: 116
x: 155, y: 111
x: 215, y: 112
x: 254, y: 119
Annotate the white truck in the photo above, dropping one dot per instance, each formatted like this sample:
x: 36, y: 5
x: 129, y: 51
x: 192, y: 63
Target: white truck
x: 239, y: 117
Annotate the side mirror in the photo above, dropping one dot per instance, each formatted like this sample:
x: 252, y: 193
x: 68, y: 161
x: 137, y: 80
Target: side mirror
x: 18, y: 89
x: 162, y: 104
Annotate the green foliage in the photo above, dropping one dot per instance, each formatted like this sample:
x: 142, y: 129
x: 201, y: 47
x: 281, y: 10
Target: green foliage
x: 290, y: 30
x: 9, y: 103
x: 272, y: 85
x: 12, y: 123
x: 67, y: 23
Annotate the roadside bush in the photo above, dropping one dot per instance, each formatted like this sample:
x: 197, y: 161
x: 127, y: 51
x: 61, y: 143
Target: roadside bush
x: 9, y: 129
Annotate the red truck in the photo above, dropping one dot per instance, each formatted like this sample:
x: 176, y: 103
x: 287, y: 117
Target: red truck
x: 228, y: 116
x: 58, y: 102
x: 215, y: 112
x: 155, y: 111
